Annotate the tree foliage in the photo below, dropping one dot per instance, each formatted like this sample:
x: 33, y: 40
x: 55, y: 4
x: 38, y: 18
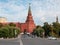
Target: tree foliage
x: 38, y: 31
x: 9, y: 31
x: 47, y: 29
x: 12, y: 24
x: 56, y: 28
x: 52, y: 30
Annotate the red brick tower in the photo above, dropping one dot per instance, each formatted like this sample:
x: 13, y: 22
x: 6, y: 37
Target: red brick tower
x: 30, y: 21
x: 29, y: 25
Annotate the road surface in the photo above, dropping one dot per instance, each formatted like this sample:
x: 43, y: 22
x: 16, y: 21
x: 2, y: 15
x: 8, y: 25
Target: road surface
x: 39, y: 41
x: 26, y: 40
x: 9, y: 42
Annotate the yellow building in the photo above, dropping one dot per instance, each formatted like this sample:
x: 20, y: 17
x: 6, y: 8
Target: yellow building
x: 3, y: 20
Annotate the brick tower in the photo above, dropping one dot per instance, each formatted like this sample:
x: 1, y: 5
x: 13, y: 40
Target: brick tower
x: 29, y: 25
x: 30, y: 21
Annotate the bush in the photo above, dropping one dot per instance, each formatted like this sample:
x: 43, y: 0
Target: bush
x: 9, y: 32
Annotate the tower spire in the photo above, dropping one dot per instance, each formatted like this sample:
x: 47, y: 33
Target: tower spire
x: 29, y: 10
x: 57, y: 19
x: 29, y: 17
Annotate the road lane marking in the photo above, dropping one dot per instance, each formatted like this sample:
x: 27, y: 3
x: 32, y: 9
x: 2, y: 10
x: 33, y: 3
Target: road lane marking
x: 21, y: 43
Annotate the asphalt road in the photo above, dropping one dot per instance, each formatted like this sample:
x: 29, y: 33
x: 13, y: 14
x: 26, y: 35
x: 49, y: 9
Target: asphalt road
x: 29, y: 41
x: 9, y: 42
x: 39, y: 41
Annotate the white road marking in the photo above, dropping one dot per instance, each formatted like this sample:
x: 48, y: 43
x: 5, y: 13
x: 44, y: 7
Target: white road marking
x: 21, y: 43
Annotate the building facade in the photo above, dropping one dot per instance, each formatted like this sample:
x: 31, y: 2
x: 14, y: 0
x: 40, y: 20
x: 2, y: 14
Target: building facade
x: 3, y: 20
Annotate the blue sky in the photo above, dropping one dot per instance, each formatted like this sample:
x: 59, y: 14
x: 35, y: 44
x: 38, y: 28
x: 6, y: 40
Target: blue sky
x: 42, y: 10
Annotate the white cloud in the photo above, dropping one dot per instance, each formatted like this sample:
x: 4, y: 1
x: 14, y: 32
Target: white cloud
x: 43, y: 19
x: 13, y: 12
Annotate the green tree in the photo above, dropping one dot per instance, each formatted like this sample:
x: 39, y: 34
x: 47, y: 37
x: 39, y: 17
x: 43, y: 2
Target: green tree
x: 8, y: 31
x: 13, y: 32
x: 56, y: 28
x: 4, y: 32
x: 47, y: 29
x: 1, y: 25
x: 12, y: 24
x: 38, y: 31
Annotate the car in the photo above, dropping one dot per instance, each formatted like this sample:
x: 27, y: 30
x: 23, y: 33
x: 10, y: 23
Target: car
x: 52, y: 38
